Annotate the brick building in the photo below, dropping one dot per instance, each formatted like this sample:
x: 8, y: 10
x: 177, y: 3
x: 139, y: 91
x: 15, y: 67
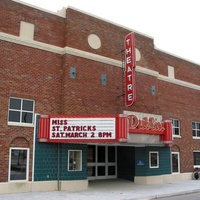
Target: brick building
x: 70, y: 65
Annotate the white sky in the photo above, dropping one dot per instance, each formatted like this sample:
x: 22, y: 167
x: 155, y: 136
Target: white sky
x: 174, y: 24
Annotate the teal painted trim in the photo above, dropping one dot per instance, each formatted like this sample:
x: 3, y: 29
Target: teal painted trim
x: 141, y: 156
x: 46, y: 162
x: 73, y: 175
x: 142, y: 168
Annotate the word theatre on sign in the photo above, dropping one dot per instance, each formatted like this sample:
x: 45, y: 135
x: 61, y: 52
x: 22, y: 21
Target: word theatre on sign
x: 130, y: 64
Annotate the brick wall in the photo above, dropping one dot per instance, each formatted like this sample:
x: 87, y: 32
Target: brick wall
x: 48, y: 28
x: 32, y: 74
x: 80, y: 26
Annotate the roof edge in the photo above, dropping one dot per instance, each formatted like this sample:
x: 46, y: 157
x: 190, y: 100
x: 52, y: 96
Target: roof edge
x: 39, y: 8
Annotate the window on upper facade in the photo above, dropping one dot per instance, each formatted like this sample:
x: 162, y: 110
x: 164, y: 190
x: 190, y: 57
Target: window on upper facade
x: 153, y: 159
x: 175, y: 162
x: 21, y: 111
x: 74, y: 160
x: 175, y: 127
x: 196, y: 156
x: 18, y: 164
x: 196, y: 129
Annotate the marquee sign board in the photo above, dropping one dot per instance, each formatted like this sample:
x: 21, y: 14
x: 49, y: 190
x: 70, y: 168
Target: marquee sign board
x: 91, y: 128
x: 101, y: 128
x: 82, y: 128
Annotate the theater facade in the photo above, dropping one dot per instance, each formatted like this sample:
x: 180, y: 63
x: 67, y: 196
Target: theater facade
x: 86, y: 99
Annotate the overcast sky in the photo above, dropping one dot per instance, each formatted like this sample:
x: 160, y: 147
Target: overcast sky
x: 174, y: 24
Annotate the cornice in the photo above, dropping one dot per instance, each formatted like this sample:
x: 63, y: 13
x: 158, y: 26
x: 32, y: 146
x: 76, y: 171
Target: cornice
x: 31, y: 43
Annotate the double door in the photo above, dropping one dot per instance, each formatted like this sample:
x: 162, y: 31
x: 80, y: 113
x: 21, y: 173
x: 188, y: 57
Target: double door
x: 101, y: 162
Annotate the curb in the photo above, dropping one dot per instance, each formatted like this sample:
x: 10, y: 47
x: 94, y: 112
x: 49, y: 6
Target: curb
x: 171, y: 195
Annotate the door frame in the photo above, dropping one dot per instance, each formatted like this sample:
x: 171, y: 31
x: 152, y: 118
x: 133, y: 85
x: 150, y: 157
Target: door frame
x: 107, y: 164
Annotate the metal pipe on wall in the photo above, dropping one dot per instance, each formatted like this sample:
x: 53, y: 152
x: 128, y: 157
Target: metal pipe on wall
x: 58, y: 183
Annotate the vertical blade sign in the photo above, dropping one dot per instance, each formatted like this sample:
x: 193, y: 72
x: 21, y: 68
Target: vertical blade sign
x: 130, y: 88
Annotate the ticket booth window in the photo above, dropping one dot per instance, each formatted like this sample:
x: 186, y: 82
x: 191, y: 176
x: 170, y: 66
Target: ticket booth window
x: 153, y: 159
x: 74, y: 160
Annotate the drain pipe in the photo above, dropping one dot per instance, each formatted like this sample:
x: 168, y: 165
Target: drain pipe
x: 58, y: 183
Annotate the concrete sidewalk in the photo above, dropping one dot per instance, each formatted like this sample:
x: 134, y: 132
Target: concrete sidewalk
x: 113, y: 189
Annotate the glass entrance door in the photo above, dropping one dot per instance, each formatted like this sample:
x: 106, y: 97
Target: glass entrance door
x: 101, y: 162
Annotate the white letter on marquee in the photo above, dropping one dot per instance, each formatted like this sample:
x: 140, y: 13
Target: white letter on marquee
x: 129, y: 87
x: 128, y: 60
x: 127, y: 41
x: 129, y: 77
x: 128, y: 50
x: 129, y: 69
x: 130, y: 97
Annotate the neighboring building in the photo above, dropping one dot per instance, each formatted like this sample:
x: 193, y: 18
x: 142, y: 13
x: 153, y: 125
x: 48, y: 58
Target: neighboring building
x: 65, y: 72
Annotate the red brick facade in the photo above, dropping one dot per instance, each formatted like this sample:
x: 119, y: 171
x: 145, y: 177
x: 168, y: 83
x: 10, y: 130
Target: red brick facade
x: 44, y: 76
